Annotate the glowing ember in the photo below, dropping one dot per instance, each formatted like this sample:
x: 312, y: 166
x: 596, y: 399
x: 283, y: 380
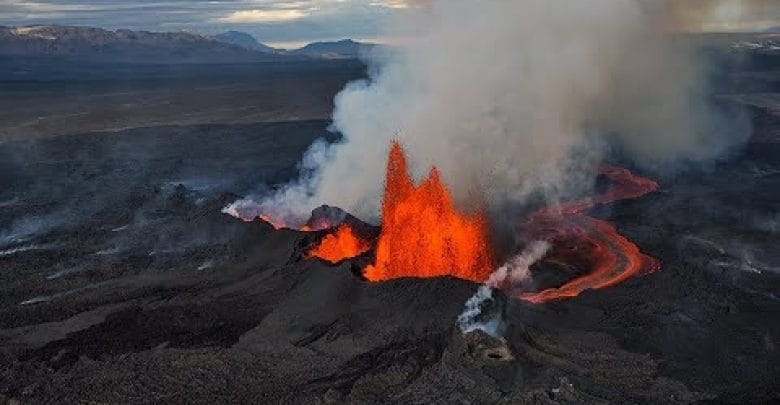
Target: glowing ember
x: 340, y: 245
x: 423, y: 234
x: 319, y: 225
x: 275, y: 223
x: 590, y: 243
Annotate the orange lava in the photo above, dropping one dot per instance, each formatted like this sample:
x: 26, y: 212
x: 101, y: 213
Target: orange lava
x: 340, y: 245
x: 590, y: 243
x: 277, y: 224
x: 423, y: 234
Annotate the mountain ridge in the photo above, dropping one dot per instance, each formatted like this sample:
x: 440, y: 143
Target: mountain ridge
x: 245, y: 40
x: 335, y: 49
x: 122, y: 45
x: 94, y: 44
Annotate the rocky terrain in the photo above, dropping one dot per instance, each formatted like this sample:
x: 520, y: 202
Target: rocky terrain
x: 47, y: 98
x: 121, y: 281
x: 124, y: 282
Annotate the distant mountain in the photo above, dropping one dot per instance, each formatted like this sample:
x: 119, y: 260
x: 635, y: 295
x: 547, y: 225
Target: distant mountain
x: 99, y: 45
x: 245, y: 41
x: 343, y: 49
x: 89, y: 44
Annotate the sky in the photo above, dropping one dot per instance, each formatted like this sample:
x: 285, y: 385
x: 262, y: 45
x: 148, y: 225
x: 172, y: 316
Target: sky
x: 724, y: 15
x: 291, y: 23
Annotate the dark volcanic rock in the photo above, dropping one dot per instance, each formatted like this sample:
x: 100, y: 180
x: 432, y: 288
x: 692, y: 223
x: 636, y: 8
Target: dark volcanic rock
x: 122, y: 282
x: 326, y: 216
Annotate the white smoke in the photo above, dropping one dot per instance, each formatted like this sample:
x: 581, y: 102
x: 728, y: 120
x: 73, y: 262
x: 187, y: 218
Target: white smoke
x: 481, y: 312
x: 510, y: 97
x: 474, y: 316
x: 245, y: 209
x: 516, y: 269
x: 26, y: 228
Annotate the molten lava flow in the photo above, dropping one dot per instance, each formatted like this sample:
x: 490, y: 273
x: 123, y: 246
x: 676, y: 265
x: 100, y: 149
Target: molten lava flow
x: 423, y: 235
x: 591, y: 243
x: 340, y: 245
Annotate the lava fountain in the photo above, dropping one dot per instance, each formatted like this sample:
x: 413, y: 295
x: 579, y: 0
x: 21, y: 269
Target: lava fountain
x: 423, y: 234
x: 341, y: 245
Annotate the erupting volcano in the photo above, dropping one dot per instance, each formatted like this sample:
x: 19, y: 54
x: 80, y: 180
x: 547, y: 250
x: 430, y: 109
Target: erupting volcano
x: 423, y: 234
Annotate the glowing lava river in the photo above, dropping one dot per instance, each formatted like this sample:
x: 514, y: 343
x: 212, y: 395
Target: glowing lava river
x: 583, y: 241
x: 424, y: 235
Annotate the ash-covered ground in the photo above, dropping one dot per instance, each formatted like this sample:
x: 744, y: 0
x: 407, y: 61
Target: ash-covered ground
x: 123, y: 282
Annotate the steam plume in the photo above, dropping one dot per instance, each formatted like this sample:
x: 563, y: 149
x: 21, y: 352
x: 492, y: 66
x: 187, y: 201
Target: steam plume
x: 480, y: 314
x: 515, y: 271
x: 481, y: 311
x: 509, y: 98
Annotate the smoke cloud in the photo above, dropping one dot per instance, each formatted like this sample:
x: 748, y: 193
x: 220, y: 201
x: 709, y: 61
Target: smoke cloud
x: 513, y: 98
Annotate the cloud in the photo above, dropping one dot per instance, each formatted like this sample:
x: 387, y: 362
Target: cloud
x: 308, y: 20
x: 723, y: 15
x: 268, y: 20
x: 264, y: 16
x: 512, y: 100
x: 398, y: 4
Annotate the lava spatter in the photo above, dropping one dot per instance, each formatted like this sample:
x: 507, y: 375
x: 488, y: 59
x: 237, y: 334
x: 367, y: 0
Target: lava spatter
x: 340, y: 245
